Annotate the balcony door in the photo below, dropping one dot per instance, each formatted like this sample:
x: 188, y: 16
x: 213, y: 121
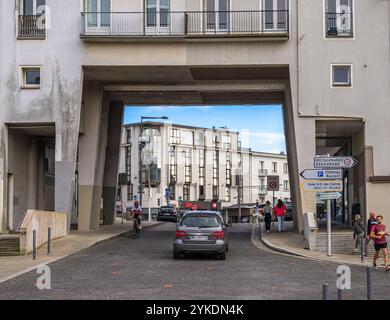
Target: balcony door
x: 275, y: 15
x: 157, y: 18
x: 98, y: 16
x: 339, y: 16
x: 30, y: 7
x: 217, y: 16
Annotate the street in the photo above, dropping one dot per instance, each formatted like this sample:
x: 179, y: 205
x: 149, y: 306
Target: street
x: 143, y: 269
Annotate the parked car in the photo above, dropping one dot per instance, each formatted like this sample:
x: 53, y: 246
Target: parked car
x: 201, y: 232
x: 289, y: 212
x: 167, y: 213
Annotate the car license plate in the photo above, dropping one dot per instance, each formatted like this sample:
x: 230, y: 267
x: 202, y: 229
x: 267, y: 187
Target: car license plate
x: 199, y: 238
x: 166, y: 214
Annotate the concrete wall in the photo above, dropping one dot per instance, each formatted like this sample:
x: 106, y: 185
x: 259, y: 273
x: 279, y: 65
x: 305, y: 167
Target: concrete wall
x: 308, y: 54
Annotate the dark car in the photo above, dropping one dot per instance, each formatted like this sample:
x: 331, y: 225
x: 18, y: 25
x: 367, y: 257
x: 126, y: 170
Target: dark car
x: 289, y: 212
x: 167, y: 213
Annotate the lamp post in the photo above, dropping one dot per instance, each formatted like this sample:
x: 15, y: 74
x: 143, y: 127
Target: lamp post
x: 141, y: 144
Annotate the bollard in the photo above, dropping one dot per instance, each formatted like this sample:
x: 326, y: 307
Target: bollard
x: 325, y: 292
x: 339, y: 294
x: 369, y: 284
x: 48, y: 241
x: 361, y: 249
x: 34, y: 245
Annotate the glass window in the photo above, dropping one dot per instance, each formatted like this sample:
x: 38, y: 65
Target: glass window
x: 274, y: 167
x: 186, y: 192
x: 33, y: 77
x: 338, y: 18
x: 341, y: 75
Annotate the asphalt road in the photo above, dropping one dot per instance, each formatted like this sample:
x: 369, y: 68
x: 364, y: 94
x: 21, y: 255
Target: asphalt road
x: 124, y: 268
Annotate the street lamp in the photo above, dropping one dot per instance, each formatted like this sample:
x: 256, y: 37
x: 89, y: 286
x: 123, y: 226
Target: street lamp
x: 141, y: 145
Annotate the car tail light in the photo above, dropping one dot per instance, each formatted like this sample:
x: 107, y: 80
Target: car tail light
x: 218, y: 235
x: 180, y: 234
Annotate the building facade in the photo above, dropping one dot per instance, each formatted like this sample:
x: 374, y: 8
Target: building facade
x: 325, y: 61
x: 183, y: 163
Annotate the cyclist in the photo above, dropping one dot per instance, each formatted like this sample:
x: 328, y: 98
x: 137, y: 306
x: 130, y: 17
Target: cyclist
x: 136, y: 213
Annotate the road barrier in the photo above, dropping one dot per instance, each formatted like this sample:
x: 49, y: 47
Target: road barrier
x: 34, y: 244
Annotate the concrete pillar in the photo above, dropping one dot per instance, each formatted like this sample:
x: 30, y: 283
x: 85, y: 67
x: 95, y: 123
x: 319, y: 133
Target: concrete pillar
x: 90, y: 186
x: 3, y: 179
x: 112, y: 161
x: 300, y: 157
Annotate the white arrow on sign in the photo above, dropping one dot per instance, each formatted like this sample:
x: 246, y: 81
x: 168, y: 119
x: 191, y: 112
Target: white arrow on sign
x: 322, y: 186
x: 316, y: 174
x: 328, y: 195
x: 334, y: 162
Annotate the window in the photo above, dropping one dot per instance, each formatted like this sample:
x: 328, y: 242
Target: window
x: 202, y: 192
x: 215, y: 175
x: 285, y: 185
x: 175, y: 136
x: 188, y: 166
x: 128, y: 173
x: 186, y: 192
x: 228, y: 169
x: 128, y: 135
x: 30, y: 77
x: 199, y: 139
x: 227, y: 194
x: 275, y: 15
x: 157, y: 13
x: 98, y: 13
x: 226, y: 142
x: 274, y: 167
x: 338, y: 18
x: 341, y: 75
x: 285, y: 168
x: 217, y: 18
x: 32, y: 7
x: 172, y: 166
x: 187, y: 137
x: 202, y: 169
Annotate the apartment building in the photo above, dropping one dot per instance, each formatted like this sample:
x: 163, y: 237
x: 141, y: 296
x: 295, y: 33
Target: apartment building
x: 194, y: 164
x: 68, y: 68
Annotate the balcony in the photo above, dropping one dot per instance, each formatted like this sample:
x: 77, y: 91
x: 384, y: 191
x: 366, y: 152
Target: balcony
x: 183, y: 26
x: 263, y: 172
x: 263, y: 191
x: 339, y: 25
x: 31, y: 27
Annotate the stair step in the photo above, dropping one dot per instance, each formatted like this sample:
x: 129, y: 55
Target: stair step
x: 9, y: 254
x: 9, y: 249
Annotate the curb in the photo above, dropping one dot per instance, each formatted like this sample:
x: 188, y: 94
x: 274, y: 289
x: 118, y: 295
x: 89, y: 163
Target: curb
x: 274, y: 248
x: 113, y: 236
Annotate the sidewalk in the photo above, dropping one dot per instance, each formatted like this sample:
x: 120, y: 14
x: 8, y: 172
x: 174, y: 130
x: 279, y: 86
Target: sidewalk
x: 11, y: 267
x: 293, y: 243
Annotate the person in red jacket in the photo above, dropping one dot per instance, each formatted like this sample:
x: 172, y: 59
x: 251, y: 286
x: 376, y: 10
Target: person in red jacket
x: 280, y: 212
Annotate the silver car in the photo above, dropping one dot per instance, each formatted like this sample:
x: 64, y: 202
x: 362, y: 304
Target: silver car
x: 201, y: 232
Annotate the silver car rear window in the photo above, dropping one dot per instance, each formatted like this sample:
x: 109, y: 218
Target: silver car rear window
x: 200, y: 221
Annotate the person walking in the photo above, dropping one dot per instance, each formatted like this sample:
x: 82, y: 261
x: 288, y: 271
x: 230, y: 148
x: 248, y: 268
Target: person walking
x: 267, y: 213
x: 378, y: 233
x: 359, y: 232
x: 370, y: 223
x: 280, y: 212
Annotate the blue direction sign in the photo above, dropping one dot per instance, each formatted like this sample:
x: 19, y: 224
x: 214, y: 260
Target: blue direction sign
x: 316, y: 174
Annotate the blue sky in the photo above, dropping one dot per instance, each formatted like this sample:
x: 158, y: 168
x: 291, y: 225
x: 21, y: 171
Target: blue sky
x: 261, y: 127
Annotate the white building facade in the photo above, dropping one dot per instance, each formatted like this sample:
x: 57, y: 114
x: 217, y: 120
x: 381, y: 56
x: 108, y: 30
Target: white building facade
x: 194, y: 164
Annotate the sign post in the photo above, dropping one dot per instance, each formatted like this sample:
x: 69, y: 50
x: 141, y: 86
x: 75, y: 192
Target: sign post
x: 329, y: 228
x: 317, y: 174
x: 273, y: 185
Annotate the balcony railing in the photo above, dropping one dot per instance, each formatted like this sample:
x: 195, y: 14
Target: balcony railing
x: 31, y: 27
x: 263, y: 172
x: 185, y: 24
x: 339, y: 24
x: 263, y: 190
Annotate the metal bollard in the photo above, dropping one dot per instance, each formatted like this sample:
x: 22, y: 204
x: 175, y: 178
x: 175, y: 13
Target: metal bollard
x: 369, y: 284
x: 48, y: 241
x: 361, y: 249
x: 325, y: 292
x: 340, y: 294
x: 34, y: 245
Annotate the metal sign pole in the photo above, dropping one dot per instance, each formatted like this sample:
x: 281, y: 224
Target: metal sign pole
x: 329, y: 228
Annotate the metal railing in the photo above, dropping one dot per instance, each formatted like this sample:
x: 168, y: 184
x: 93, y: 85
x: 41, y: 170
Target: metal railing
x: 29, y: 27
x: 339, y: 24
x: 263, y: 172
x: 191, y: 23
